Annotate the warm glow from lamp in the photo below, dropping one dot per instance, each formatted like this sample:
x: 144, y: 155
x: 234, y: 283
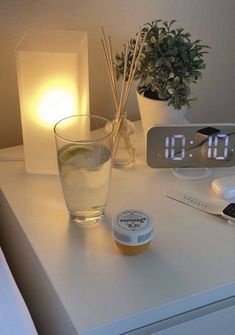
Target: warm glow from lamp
x: 55, y: 104
x: 57, y: 100
x: 52, y: 72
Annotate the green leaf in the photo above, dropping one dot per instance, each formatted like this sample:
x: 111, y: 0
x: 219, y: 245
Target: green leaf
x: 171, y: 91
x: 177, y: 79
x: 172, y: 22
x: 168, y: 64
x: 153, y: 39
x: 160, y: 62
x: 161, y: 37
x: 202, y: 66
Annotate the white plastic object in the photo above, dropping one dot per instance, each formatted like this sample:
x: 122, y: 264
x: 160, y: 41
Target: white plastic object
x: 193, y: 201
x: 224, y: 187
x: 154, y: 112
x: 208, y: 207
x: 192, y: 173
x: 132, y: 227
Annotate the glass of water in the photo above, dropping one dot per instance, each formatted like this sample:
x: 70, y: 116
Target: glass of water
x: 84, y: 160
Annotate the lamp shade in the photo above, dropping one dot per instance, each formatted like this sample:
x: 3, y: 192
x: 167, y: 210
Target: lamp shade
x: 52, y: 73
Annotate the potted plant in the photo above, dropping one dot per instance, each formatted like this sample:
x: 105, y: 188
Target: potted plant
x: 169, y: 63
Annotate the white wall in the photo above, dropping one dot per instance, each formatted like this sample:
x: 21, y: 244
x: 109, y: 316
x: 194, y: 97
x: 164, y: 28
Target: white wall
x: 210, y: 20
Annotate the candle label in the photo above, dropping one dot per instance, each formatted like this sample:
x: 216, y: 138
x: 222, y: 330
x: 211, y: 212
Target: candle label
x: 132, y: 227
x: 133, y: 220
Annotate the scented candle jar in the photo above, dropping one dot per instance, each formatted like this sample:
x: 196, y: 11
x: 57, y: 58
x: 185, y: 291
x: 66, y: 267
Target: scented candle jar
x: 132, y: 231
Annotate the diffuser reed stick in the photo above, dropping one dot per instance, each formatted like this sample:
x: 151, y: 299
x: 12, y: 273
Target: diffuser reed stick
x: 120, y: 100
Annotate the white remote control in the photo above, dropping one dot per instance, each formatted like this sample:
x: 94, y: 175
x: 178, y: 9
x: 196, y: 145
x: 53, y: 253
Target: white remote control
x: 224, y: 187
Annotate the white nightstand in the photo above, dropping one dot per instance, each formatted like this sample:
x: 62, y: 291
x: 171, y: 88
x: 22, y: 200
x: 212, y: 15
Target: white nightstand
x: 76, y: 281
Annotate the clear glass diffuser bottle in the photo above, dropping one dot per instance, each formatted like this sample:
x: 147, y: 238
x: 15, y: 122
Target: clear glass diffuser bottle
x: 124, y: 142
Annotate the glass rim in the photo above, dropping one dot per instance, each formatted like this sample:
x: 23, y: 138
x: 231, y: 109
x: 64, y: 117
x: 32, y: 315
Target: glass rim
x: 83, y: 141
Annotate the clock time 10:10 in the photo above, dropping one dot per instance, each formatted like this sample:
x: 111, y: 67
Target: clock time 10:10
x: 176, y: 147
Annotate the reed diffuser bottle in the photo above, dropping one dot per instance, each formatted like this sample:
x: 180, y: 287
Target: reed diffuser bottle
x: 124, y: 142
x: 124, y: 134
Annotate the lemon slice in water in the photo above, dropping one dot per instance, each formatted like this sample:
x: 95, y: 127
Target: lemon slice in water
x: 72, y: 153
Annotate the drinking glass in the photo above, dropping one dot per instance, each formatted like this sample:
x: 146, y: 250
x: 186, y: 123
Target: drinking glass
x: 84, y: 159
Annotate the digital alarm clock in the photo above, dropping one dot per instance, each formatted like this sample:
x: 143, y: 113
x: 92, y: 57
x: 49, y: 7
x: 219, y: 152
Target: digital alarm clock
x: 191, y: 145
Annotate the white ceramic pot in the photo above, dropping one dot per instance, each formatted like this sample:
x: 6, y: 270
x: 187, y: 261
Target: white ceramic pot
x: 154, y: 112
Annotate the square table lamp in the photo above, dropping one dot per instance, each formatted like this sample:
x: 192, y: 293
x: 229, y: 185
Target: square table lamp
x: 52, y: 74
